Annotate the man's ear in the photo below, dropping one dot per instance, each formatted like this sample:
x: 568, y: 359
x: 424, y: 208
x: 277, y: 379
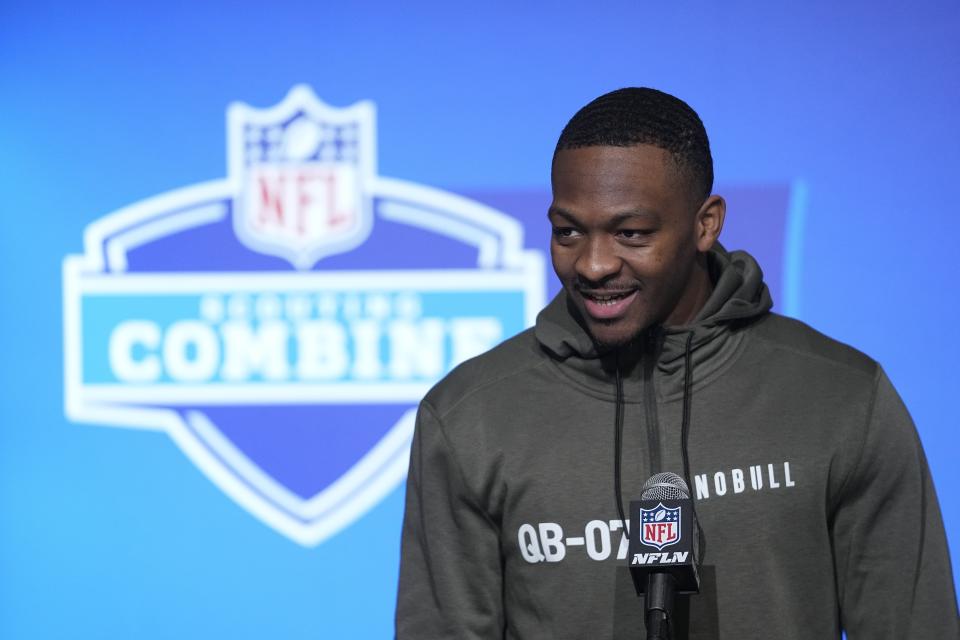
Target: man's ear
x: 709, y: 222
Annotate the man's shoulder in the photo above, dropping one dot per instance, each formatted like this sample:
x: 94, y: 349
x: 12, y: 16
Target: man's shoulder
x: 803, y: 342
x: 499, y: 365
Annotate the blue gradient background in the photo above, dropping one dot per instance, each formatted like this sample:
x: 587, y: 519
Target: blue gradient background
x: 108, y: 533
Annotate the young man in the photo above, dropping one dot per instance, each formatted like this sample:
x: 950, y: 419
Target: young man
x: 817, y: 509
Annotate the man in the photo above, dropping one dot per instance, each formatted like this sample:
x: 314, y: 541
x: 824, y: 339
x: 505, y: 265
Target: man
x: 817, y: 509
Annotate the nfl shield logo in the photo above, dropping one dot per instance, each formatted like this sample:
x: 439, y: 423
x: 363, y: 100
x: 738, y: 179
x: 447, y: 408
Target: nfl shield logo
x: 661, y: 526
x: 302, y: 172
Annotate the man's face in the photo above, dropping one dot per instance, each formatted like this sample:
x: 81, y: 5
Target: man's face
x: 625, y: 238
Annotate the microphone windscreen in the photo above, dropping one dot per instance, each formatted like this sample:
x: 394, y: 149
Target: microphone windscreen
x: 665, y: 486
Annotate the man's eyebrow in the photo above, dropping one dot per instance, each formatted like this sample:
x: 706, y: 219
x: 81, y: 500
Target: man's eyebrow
x: 638, y: 214
x: 641, y: 214
x: 563, y: 213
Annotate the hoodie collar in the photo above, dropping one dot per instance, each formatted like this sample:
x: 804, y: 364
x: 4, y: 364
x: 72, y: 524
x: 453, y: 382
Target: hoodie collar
x: 739, y: 294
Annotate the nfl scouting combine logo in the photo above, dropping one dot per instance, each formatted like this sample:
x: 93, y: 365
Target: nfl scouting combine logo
x: 282, y: 324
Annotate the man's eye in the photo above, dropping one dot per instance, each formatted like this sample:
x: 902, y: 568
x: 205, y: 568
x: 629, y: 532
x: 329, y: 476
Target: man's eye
x: 564, y: 232
x: 634, y: 234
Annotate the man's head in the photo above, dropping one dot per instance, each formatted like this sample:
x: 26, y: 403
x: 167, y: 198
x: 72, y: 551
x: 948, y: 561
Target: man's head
x: 632, y: 213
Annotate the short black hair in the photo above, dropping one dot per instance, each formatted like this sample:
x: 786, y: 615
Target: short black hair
x: 640, y: 115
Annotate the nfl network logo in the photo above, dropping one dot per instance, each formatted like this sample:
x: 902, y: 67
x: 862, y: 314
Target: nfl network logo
x: 282, y: 324
x: 660, y: 526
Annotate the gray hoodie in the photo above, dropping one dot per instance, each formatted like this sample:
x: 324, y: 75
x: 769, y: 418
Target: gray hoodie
x: 817, y: 508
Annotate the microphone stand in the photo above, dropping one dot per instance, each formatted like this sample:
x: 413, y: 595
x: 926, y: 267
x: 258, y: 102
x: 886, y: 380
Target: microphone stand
x: 659, y: 605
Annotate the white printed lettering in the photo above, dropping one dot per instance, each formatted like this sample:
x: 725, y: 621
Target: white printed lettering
x: 738, y: 484
x: 322, y: 352
x: 247, y: 352
x: 786, y: 474
x: 124, y: 341
x: 529, y: 544
x: 624, y: 548
x: 756, y: 477
x: 191, y: 351
x: 472, y: 336
x: 416, y: 348
x: 703, y: 490
x: 719, y: 483
x: 773, y: 478
x: 366, y: 345
x: 597, y: 534
x: 551, y: 541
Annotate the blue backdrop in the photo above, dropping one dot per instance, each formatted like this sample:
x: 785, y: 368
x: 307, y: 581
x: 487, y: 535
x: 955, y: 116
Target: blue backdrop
x: 841, y: 118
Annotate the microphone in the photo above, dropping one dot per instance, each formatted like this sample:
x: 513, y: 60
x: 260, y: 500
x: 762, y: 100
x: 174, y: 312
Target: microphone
x: 664, y: 549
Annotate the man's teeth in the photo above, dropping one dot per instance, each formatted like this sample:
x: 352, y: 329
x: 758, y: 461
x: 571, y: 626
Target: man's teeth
x: 608, y: 299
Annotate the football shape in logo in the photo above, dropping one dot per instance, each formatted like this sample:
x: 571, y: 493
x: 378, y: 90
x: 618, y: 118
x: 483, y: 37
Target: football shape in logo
x: 282, y: 324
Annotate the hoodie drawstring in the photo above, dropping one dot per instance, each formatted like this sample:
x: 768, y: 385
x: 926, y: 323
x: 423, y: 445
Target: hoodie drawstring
x: 618, y: 446
x: 684, y: 435
x: 685, y: 423
x: 700, y: 548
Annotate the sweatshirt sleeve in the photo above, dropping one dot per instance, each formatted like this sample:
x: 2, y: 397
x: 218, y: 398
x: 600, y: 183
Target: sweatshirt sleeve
x: 450, y: 567
x: 892, y: 565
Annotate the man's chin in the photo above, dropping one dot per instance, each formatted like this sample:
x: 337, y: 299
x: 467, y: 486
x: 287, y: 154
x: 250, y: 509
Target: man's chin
x: 607, y: 340
x: 609, y: 335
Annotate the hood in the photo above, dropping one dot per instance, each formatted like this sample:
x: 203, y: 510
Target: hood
x: 739, y: 294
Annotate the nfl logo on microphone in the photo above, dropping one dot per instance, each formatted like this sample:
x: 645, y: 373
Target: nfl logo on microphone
x: 660, y: 526
x: 281, y: 324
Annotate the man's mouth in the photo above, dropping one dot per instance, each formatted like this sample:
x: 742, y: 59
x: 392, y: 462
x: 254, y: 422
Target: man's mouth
x: 607, y: 305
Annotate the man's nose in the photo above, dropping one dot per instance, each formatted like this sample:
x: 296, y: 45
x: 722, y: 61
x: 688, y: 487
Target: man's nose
x: 599, y: 260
